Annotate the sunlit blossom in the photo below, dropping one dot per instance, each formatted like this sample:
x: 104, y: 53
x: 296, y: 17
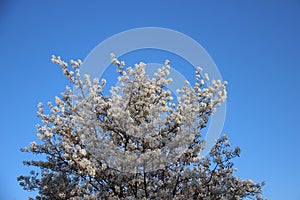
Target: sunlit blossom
x: 139, y: 141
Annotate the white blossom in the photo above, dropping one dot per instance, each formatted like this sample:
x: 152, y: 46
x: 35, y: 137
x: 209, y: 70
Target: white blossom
x: 140, y: 141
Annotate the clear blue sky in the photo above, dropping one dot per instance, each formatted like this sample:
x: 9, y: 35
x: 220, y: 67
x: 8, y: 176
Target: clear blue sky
x: 255, y: 44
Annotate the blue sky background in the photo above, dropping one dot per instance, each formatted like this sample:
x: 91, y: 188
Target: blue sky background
x: 255, y: 44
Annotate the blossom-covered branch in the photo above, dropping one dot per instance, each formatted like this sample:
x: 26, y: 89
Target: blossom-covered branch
x: 140, y: 141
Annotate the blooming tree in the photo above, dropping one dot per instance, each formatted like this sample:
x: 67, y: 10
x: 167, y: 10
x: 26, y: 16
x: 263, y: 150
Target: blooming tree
x: 138, y: 142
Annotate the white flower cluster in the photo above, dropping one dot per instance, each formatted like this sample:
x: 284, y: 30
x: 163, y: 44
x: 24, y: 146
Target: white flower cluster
x: 139, y: 142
